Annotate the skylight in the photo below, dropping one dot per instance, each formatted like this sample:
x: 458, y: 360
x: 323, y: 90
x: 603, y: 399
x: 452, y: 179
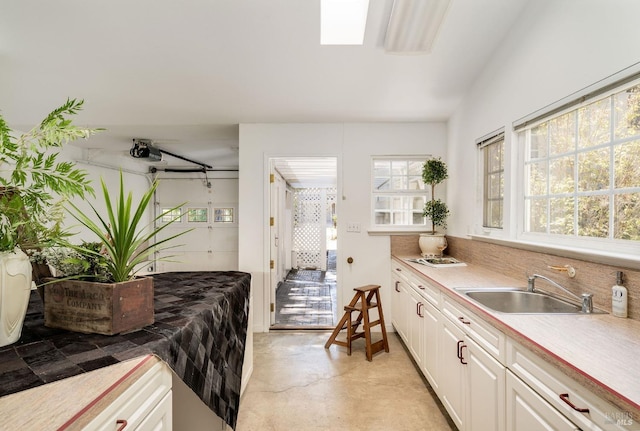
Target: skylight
x: 342, y: 22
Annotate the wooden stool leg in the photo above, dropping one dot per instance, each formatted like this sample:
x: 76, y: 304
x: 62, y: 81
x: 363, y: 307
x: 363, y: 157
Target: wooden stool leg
x: 384, y: 329
x: 341, y: 325
x: 336, y: 331
x: 349, y: 333
x: 367, y: 328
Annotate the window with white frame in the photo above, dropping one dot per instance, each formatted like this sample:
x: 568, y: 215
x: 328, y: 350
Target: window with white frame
x: 581, y: 176
x: 170, y: 214
x: 223, y: 215
x: 198, y: 215
x: 492, y: 149
x: 398, y: 192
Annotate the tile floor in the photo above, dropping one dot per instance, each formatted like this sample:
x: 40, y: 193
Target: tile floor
x: 299, y: 385
x: 306, y: 298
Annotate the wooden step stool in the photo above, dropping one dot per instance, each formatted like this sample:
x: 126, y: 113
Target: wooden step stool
x: 361, y: 302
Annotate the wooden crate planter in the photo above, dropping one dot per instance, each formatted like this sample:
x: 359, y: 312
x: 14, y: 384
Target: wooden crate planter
x: 99, y: 308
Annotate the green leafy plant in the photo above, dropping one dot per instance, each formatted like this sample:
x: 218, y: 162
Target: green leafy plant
x: 126, y: 241
x: 434, y: 171
x: 34, y: 184
x: 68, y: 263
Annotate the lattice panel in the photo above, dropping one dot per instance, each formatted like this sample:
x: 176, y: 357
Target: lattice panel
x: 308, y: 224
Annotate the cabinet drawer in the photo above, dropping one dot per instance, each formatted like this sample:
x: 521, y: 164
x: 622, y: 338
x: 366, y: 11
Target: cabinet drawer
x: 136, y: 402
x: 488, y: 337
x: 430, y: 292
x: 550, y: 383
x: 401, y: 272
x: 526, y: 410
x: 426, y: 290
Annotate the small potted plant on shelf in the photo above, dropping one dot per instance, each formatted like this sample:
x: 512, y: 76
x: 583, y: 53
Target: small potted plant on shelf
x: 33, y: 185
x: 433, y: 243
x: 108, y: 298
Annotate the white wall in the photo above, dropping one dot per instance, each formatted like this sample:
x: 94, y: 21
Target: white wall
x: 134, y: 182
x: 557, y: 47
x: 353, y: 145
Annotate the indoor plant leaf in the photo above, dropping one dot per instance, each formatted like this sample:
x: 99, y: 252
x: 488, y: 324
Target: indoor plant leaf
x: 126, y: 240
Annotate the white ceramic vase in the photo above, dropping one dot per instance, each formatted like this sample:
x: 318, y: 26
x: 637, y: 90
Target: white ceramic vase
x: 432, y: 244
x: 15, y: 289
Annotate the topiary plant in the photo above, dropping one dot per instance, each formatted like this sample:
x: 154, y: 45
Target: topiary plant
x: 434, y: 171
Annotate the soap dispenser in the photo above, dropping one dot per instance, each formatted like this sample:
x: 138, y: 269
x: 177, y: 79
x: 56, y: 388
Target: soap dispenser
x: 619, y: 297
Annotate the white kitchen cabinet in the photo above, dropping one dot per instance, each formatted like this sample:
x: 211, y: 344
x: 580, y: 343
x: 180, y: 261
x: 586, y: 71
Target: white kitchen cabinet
x: 528, y: 411
x: 160, y: 418
x: 485, y: 389
x: 415, y: 332
x: 453, y: 372
x: 416, y: 319
x: 487, y: 381
x: 143, y: 406
x: 399, y: 305
x: 564, y: 395
x: 431, y: 345
x: 471, y: 382
x: 450, y: 352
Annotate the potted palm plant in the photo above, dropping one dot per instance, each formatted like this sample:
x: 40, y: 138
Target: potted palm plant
x: 433, y: 243
x: 33, y: 185
x: 114, y: 299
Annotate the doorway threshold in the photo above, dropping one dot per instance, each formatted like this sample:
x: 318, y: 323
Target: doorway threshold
x: 300, y: 328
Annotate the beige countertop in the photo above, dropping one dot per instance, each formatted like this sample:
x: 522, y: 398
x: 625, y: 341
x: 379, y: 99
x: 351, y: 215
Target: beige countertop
x: 54, y: 406
x: 600, y: 351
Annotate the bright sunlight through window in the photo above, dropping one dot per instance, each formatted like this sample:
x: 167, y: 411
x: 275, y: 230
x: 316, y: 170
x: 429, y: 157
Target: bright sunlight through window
x: 342, y: 22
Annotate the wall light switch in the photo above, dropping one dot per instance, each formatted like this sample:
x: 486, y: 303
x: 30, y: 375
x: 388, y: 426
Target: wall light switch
x: 353, y: 227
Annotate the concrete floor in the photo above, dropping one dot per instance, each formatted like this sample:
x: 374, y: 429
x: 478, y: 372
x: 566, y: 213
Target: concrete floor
x: 297, y: 384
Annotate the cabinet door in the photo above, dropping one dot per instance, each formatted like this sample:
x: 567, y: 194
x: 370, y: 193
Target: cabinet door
x: 485, y: 389
x: 160, y: 418
x: 414, y: 317
x: 398, y: 307
x: 137, y: 401
x: 430, y: 344
x: 452, y: 372
x: 527, y: 411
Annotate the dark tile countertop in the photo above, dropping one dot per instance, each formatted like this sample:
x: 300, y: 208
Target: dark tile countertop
x: 200, y: 331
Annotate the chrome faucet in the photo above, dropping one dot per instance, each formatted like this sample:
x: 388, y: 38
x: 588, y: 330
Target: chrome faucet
x: 586, y: 299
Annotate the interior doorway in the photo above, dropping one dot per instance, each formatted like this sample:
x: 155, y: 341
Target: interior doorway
x: 304, y: 242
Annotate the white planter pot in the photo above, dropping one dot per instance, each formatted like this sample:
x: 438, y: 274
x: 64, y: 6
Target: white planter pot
x: 432, y: 245
x: 15, y: 289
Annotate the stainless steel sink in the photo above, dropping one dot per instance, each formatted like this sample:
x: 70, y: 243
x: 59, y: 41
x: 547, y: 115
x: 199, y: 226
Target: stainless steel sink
x: 514, y: 300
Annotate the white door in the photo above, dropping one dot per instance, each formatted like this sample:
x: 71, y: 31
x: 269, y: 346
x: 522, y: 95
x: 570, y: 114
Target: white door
x: 277, y: 262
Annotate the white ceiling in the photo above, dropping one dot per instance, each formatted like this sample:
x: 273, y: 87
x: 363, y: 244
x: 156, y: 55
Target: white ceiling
x: 186, y: 73
x: 303, y: 172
